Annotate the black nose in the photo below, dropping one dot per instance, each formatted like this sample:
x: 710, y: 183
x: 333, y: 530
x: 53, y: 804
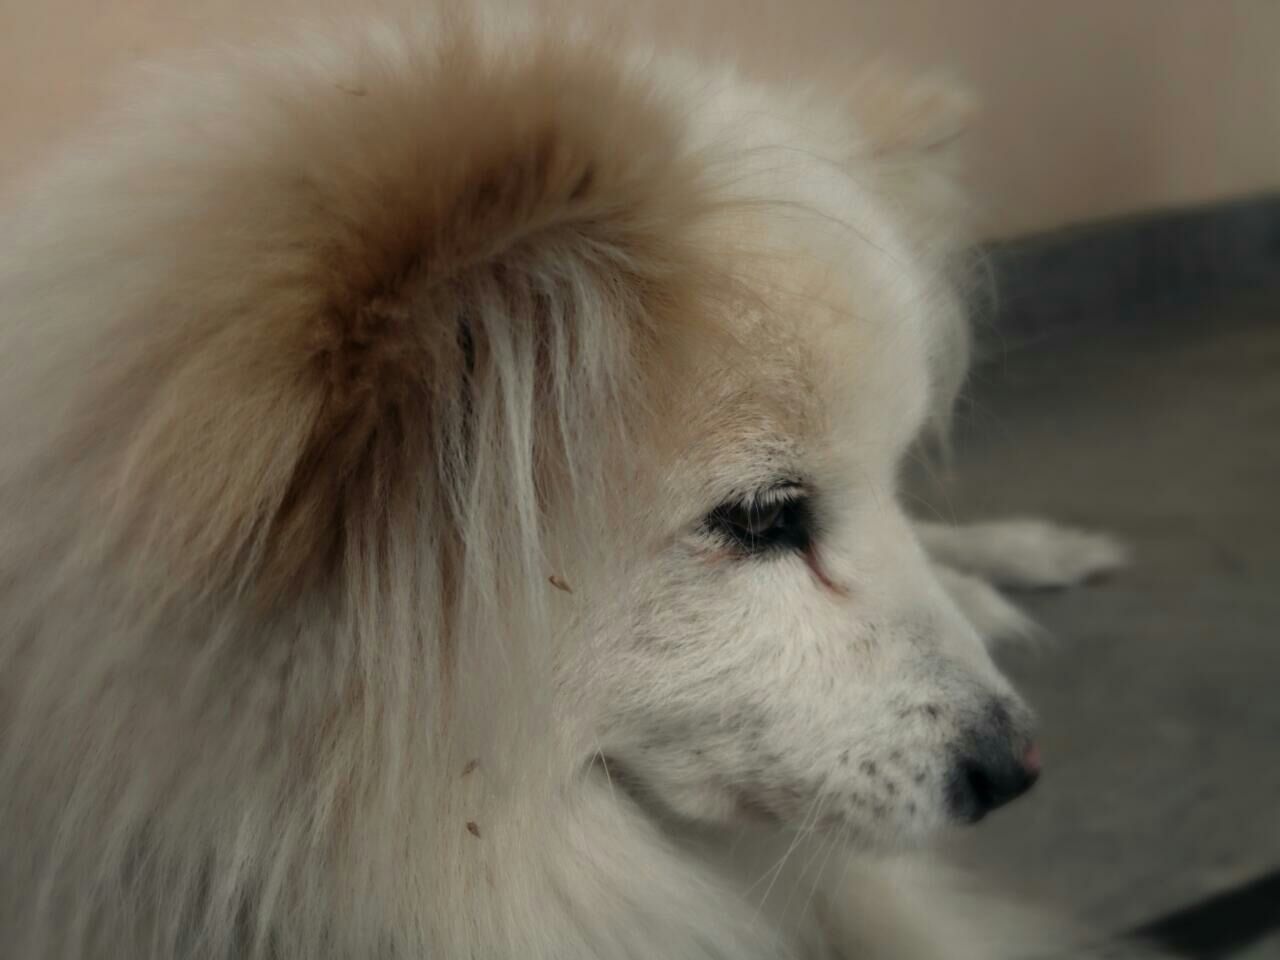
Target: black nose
x: 994, y: 765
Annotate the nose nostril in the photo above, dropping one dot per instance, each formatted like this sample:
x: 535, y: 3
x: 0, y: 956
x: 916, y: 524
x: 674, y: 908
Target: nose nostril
x: 985, y: 783
x: 980, y: 787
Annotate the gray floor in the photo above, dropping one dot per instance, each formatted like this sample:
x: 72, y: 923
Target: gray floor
x: 1159, y: 701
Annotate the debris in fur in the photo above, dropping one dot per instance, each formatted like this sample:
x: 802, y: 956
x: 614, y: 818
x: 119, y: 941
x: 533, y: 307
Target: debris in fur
x: 559, y: 583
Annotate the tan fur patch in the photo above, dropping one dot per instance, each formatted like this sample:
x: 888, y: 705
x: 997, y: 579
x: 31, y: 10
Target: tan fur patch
x: 311, y: 412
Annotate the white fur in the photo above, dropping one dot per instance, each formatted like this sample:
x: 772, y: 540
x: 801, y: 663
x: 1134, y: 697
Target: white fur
x: 1024, y: 553
x: 525, y: 705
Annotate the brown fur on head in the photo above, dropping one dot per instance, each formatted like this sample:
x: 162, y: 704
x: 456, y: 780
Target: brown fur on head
x: 347, y: 355
x: 310, y: 347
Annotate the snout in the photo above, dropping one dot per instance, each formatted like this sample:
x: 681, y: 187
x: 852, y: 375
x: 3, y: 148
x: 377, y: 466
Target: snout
x: 996, y: 762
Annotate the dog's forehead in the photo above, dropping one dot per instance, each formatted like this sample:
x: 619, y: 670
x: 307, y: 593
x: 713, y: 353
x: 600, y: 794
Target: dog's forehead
x: 804, y: 377
x: 828, y: 339
x: 749, y: 416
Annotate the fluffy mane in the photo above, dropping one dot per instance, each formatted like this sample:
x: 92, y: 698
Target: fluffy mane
x: 320, y: 364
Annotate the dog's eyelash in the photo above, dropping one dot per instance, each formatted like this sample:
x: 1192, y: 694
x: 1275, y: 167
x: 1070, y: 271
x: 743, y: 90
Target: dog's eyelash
x: 779, y: 517
x: 783, y: 490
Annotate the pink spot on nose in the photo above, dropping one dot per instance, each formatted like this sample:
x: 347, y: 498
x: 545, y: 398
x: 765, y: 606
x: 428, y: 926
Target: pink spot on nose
x: 1031, y: 759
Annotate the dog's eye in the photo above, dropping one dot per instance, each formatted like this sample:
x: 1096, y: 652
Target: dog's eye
x: 780, y: 518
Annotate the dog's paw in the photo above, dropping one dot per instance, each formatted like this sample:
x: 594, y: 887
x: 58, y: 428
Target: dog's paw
x: 1024, y: 554
x: 995, y: 619
x: 1037, y: 554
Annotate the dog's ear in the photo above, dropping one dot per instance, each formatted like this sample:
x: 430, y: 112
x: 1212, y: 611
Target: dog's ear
x: 908, y: 135
x: 909, y: 132
x: 900, y: 114
x: 378, y: 283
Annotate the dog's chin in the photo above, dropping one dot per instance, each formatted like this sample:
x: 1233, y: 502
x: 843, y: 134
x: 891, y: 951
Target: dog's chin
x: 709, y: 807
x: 684, y: 802
x: 886, y: 832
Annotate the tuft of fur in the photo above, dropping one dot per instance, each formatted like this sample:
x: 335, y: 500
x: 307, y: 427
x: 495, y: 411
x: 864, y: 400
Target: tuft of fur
x: 343, y: 382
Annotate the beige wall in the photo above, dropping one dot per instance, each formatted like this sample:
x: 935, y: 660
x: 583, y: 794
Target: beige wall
x: 1092, y: 107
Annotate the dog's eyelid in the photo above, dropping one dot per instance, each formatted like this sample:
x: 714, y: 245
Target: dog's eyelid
x: 780, y: 491
x: 767, y: 493
x: 777, y: 515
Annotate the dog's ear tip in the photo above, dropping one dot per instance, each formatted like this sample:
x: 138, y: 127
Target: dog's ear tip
x: 899, y: 111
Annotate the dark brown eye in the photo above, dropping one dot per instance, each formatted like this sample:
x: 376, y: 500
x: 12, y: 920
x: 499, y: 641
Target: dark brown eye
x: 776, y: 519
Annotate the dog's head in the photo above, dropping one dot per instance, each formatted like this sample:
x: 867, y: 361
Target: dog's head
x: 445, y: 331
x: 780, y: 647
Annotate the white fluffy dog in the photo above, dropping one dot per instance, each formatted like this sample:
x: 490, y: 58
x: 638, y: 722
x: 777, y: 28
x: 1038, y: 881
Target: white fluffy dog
x: 447, y: 509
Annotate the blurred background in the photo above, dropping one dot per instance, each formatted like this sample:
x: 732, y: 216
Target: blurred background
x: 1090, y: 109
x: 1127, y: 165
